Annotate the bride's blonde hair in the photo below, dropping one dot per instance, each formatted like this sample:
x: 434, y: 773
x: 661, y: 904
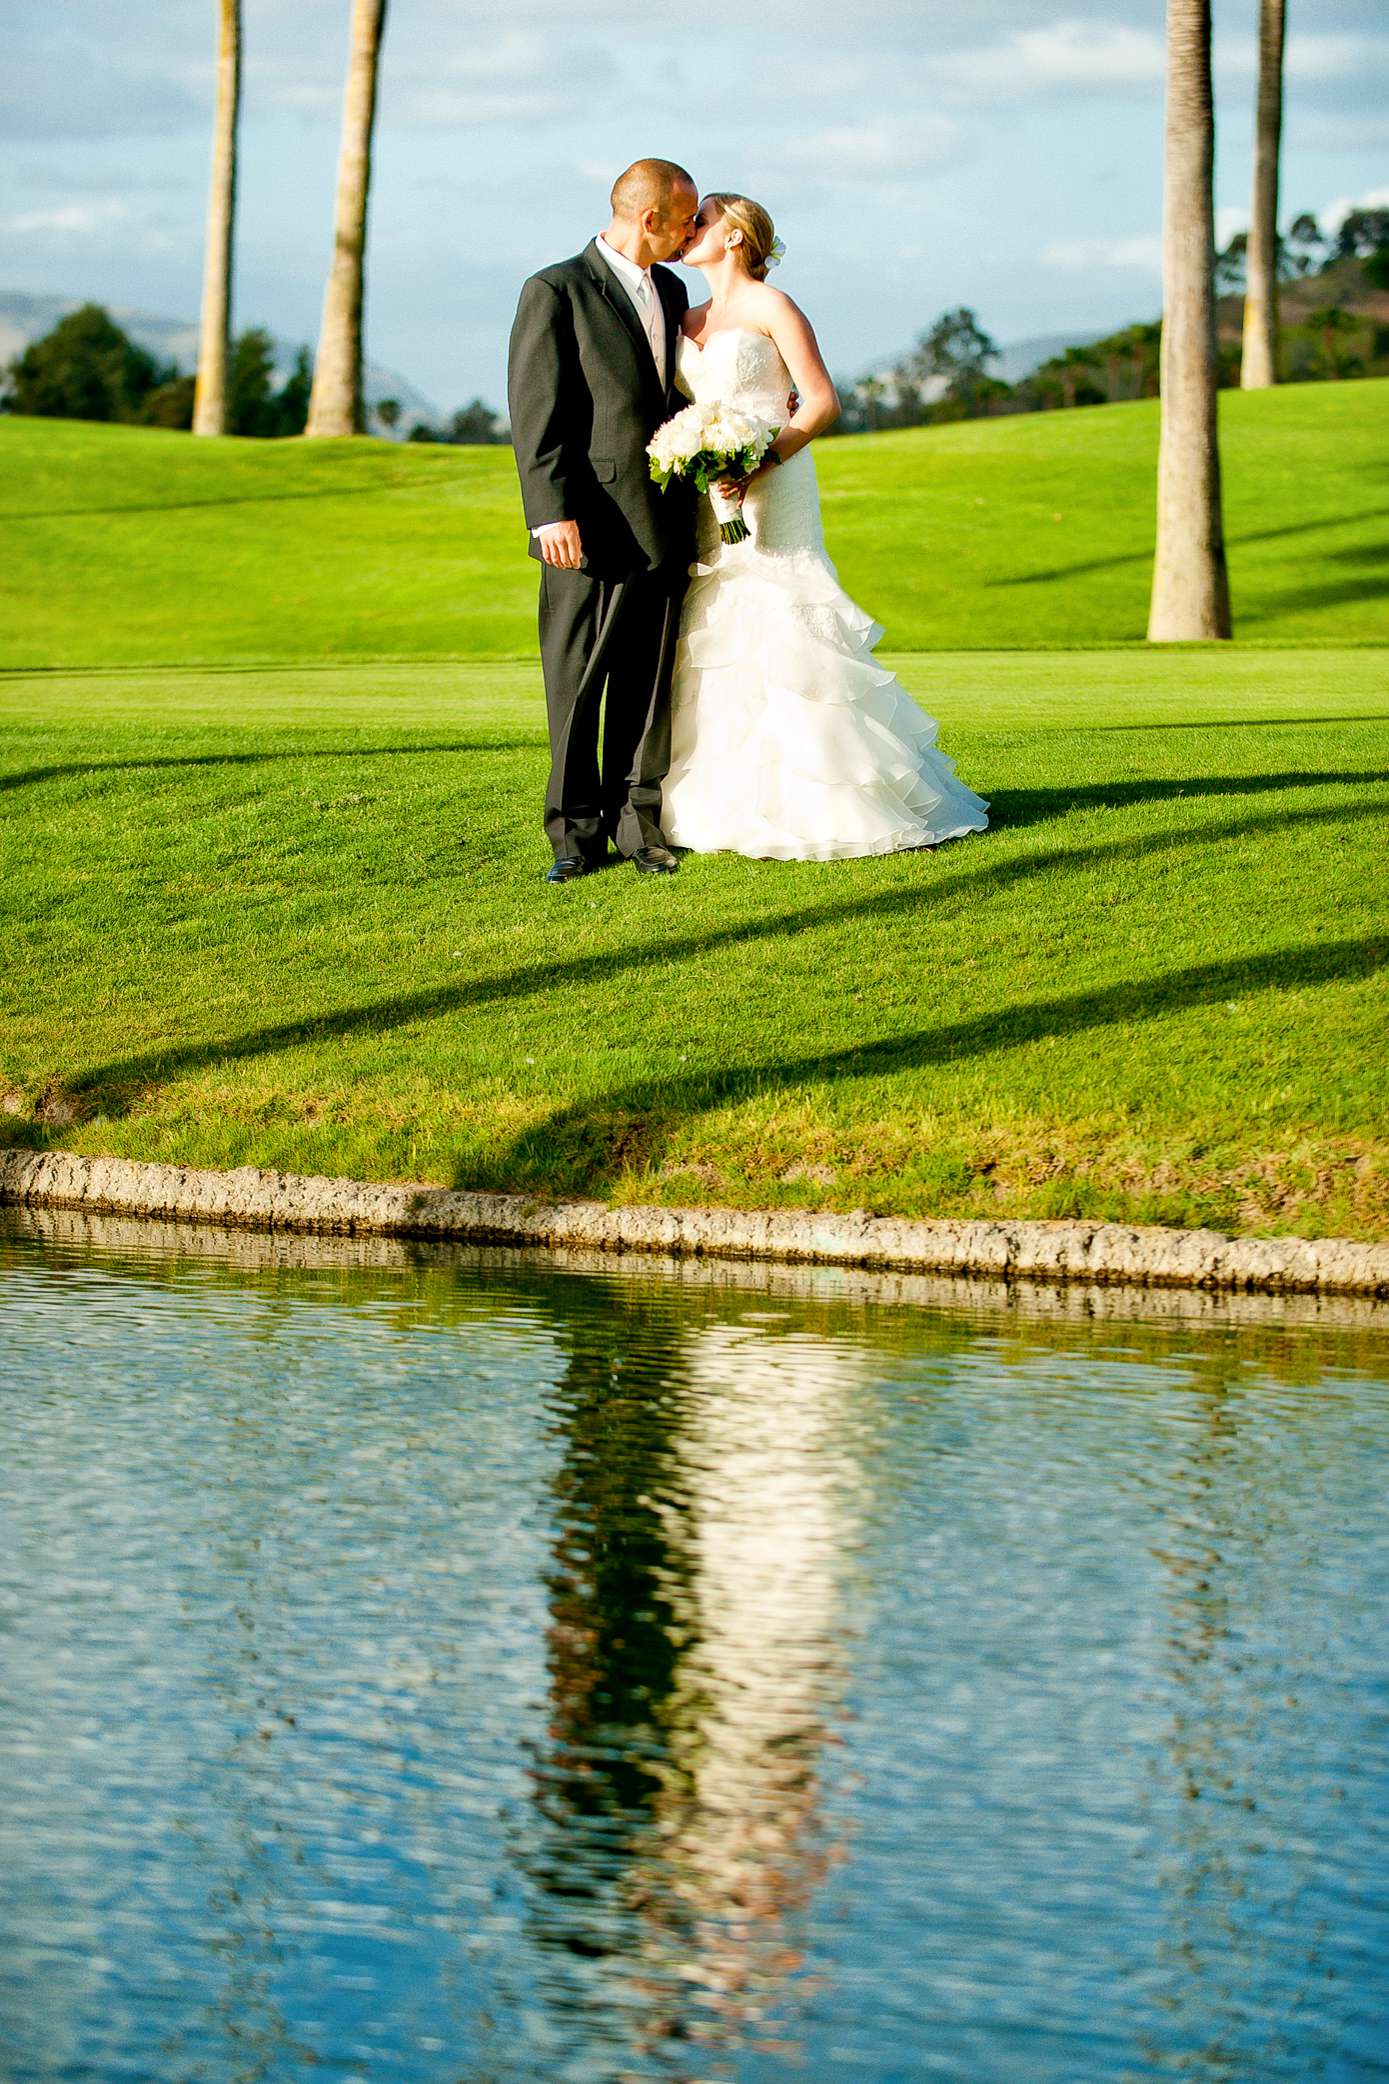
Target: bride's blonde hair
x: 741, y: 214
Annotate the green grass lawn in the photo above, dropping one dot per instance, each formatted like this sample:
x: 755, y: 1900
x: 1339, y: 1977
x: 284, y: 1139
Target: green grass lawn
x: 270, y: 847
x: 125, y: 546
x: 293, y: 916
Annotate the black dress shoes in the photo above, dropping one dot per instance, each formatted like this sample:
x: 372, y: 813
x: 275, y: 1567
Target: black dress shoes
x: 566, y: 868
x: 654, y: 861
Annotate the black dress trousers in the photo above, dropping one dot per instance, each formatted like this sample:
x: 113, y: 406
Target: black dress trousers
x: 608, y: 640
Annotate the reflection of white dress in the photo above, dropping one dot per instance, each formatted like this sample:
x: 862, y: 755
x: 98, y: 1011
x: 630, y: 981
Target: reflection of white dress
x: 787, y: 738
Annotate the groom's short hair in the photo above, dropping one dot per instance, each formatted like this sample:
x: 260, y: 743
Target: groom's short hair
x: 648, y: 184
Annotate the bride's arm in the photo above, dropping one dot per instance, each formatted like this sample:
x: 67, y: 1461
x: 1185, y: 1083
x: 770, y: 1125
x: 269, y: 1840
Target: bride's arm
x: 812, y: 387
x: 817, y: 401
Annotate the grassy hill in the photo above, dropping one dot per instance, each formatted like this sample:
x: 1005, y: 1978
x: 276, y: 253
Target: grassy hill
x: 128, y: 546
x: 270, y: 843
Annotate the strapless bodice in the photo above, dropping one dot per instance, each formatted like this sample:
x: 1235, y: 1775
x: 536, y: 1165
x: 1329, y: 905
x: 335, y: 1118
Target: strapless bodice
x: 737, y: 366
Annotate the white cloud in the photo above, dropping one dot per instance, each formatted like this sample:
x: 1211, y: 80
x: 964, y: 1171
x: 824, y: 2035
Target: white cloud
x: 1065, y: 55
x: 1076, y: 55
x: 1308, y: 59
x: 1334, y: 215
x: 1336, y: 57
x: 1143, y: 250
x: 1141, y: 253
x: 884, y: 149
x: 518, y: 76
x: 1344, y: 133
x: 73, y: 220
x: 61, y: 86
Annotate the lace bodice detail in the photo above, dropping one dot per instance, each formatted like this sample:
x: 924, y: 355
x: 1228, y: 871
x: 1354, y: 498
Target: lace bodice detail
x: 737, y: 367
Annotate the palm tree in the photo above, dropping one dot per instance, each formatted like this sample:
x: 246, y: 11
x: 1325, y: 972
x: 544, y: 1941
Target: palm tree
x: 1259, y: 365
x: 1191, y: 587
x: 336, y: 404
x: 210, y: 390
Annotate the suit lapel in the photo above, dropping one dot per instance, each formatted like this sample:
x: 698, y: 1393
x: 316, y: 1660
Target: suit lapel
x: 618, y: 302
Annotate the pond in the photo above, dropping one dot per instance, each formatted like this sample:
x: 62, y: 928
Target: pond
x: 461, y: 1667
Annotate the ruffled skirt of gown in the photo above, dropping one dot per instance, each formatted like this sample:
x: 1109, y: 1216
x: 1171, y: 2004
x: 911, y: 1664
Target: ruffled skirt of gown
x: 788, y: 740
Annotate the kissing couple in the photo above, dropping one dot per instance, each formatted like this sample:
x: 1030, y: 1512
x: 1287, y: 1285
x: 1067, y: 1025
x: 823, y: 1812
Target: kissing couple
x: 703, y: 694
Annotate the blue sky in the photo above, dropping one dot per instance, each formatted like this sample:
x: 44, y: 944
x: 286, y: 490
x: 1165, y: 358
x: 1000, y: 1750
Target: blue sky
x: 1000, y: 153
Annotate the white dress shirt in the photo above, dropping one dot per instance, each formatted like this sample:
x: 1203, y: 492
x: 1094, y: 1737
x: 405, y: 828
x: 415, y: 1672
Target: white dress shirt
x: 649, y: 309
x: 642, y: 291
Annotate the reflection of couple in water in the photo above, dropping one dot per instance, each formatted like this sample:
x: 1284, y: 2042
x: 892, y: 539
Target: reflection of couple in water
x: 694, y: 1681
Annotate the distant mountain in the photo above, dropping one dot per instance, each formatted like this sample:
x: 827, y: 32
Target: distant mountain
x: 25, y: 318
x: 1014, y: 360
x: 1018, y: 358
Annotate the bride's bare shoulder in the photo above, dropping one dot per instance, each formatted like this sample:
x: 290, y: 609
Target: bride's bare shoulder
x: 771, y: 308
x: 768, y: 299
x: 694, y: 321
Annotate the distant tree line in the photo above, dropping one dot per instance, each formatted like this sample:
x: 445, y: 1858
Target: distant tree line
x: 88, y: 368
x: 946, y: 376
x: 473, y: 425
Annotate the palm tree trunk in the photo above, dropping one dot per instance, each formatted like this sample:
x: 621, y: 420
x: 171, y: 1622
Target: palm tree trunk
x: 1191, y: 588
x: 335, y: 404
x: 1259, y: 364
x: 210, y: 388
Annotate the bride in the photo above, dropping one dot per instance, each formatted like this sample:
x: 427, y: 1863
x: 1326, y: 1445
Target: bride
x: 788, y: 739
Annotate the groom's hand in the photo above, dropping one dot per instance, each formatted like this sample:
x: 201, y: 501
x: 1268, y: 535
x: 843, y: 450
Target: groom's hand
x: 560, y: 545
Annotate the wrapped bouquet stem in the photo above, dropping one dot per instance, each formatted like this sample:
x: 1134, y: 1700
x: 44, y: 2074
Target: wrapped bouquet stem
x: 728, y: 512
x: 705, y: 443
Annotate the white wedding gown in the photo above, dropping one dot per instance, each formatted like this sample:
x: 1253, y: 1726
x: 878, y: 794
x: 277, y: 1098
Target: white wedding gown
x: 787, y: 739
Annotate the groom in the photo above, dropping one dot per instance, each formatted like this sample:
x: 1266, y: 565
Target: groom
x: 590, y: 378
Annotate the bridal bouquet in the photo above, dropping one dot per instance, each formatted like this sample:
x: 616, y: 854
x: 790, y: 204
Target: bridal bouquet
x: 705, y: 443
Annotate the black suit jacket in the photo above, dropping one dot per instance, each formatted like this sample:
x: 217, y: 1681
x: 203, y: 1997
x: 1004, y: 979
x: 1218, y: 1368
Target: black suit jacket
x: 585, y: 397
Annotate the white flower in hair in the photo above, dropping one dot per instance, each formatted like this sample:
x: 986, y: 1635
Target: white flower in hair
x: 776, y: 254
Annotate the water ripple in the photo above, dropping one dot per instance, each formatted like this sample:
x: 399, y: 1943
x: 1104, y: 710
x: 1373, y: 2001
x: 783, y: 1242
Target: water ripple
x: 464, y: 1669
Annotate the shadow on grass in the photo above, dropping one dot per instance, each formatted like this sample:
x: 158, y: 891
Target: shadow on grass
x: 278, y: 668
x: 1330, y: 593
x: 1019, y: 807
x: 1010, y: 808
x: 1144, y: 556
x: 113, y: 1088
x: 1244, y: 723
x: 31, y: 776
x: 190, y: 506
x: 584, y: 1147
